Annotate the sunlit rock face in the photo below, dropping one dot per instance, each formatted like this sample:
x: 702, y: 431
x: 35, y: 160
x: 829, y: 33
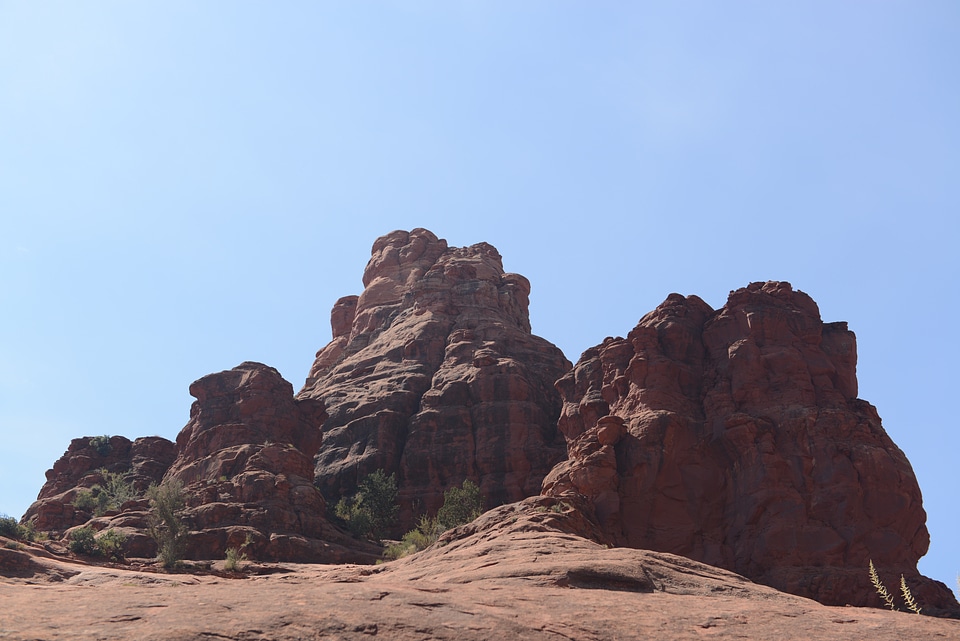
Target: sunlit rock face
x: 245, y: 460
x: 735, y: 437
x: 433, y: 374
x: 142, y: 462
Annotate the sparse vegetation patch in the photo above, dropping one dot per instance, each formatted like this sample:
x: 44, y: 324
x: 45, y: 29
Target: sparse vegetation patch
x: 111, y: 494
x: 235, y: 560
x: 166, y: 526
x: 460, y: 505
x: 881, y: 589
x: 372, y: 511
x: 101, y: 444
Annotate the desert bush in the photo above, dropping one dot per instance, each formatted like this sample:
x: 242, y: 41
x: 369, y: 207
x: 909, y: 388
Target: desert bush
x: 109, y: 495
x: 110, y: 544
x: 235, y: 560
x: 115, y: 490
x: 83, y: 541
x: 85, y: 500
x: 420, y: 538
x: 166, y: 526
x: 372, y: 511
x: 460, y: 505
x: 101, y: 444
x: 10, y: 528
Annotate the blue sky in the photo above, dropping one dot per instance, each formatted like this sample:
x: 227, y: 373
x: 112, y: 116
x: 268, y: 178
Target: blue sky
x: 185, y: 186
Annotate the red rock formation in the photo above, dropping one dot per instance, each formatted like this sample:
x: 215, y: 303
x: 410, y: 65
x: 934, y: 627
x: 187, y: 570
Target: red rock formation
x: 433, y: 374
x: 245, y: 459
x: 743, y: 445
x: 143, y: 461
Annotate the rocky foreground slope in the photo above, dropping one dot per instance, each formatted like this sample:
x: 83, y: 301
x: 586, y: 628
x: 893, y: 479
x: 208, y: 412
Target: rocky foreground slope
x: 732, y: 437
x: 516, y: 573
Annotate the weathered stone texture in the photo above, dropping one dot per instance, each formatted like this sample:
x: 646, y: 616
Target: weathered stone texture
x: 744, y: 446
x: 433, y: 374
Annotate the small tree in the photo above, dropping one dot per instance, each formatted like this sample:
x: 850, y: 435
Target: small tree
x: 372, y: 511
x: 166, y: 527
x: 10, y: 528
x: 83, y: 541
x: 460, y: 505
x: 101, y: 444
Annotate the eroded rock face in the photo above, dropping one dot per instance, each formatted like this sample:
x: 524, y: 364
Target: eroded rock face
x: 734, y: 437
x: 433, y: 374
x: 245, y: 459
x: 143, y: 462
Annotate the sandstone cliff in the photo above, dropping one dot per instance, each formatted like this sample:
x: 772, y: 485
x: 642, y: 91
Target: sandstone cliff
x: 735, y: 437
x: 143, y: 461
x: 732, y: 437
x: 433, y: 374
x: 245, y: 459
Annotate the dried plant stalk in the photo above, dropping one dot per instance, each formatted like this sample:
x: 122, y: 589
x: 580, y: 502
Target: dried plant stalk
x: 880, y: 588
x: 908, y: 597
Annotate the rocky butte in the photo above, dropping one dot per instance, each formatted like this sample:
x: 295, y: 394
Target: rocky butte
x: 433, y: 374
x: 647, y: 490
x: 735, y: 437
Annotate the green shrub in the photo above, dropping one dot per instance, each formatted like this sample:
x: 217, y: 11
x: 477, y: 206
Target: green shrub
x: 85, y: 500
x: 372, y: 511
x: 10, y: 528
x: 420, y: 538
x: 116, y: 490
x: 83, y: 541
x: 460, y: 505
x: 166, y: 526
x: 101, y: 444
x: 110, y: 544
x: 235, y: 560
x: 109, y: 495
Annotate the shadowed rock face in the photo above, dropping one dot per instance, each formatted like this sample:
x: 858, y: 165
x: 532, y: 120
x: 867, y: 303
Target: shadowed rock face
x: 433, y: 374
x: 734, y: 437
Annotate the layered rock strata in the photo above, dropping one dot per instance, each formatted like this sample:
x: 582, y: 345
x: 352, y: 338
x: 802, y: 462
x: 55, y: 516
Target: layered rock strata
x: 735, y: 437
x: 142, y: 462
x: 245, y: 459
x: 433, y: 374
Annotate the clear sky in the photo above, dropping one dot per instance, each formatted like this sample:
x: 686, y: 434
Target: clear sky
x: 188, y: 185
